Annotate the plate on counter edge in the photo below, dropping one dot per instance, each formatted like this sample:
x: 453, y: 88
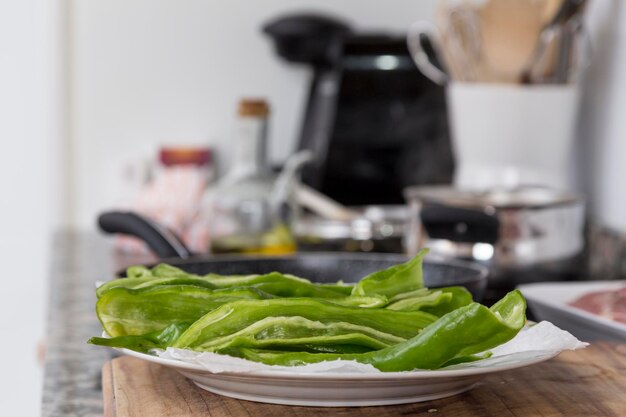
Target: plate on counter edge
x: 337, y: 389
x: 549, y: 301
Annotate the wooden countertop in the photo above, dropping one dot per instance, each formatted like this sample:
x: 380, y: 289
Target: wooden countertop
x: 588, y: 382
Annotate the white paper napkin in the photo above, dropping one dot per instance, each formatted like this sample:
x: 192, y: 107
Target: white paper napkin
x: 533, y: 342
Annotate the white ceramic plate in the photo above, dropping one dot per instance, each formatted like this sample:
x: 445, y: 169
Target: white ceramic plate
x: 549, y: 301
x: 339, y: 389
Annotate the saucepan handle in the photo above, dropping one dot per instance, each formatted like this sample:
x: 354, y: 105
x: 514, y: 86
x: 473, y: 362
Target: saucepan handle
x: 161, y: 241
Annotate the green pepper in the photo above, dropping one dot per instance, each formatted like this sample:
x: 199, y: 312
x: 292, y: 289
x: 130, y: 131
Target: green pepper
x: 124, y: 311
x: 166, y: 270
x: 275, y: 283
x: 235, y: 316
x: 138, y: 271
x: 409, y: 294
x: 393, y: 280
x: 458, y: 335
x: 469, y: 358
x: 143, y: 282
x: 283, y: 332
x: 460, y: 298
x: 437, y: 301
x: 339, y: 286
x: 292, y: 332
x: 283, y: 285
x: 321, y: 348
x: 430, y: 298
x: 356, y: 301
x: 387, y: 319
x: 146, y: 342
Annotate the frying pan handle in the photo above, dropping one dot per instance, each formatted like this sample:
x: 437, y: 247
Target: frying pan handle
x: 162, y: 241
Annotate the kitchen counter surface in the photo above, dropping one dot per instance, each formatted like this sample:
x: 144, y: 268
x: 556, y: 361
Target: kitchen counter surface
x: 585, y: 383
x: 72, y: 368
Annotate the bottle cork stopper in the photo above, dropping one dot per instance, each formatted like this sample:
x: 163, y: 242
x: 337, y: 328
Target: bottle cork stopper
x: 253, y: 107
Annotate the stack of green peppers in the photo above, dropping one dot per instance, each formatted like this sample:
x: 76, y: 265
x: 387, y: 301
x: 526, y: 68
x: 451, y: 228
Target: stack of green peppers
x: 387, y: 319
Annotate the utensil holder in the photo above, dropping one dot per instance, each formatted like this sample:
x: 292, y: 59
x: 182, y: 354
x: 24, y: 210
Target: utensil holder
x: 511, y: 135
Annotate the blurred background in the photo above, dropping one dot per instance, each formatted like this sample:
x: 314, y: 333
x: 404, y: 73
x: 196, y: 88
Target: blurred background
x: 106, y: 103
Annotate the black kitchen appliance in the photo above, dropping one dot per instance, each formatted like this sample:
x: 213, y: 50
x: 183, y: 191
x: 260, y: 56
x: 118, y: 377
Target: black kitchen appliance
x: 374, y: 123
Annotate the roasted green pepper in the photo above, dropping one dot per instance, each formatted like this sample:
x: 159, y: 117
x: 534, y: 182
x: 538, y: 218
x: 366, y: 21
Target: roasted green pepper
x: 236, y: 316
x: 123, y: 311
x: 145, y: 342
x: 437, y: 301
x: 466, y: 331
x: 387, y: 319
x: 292, y: 332
x: 394, y: 280
x: 275, y: 283
x: 417, y: 302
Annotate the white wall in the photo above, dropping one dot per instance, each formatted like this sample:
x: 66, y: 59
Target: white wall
x: 148, y: 72
x: 31, y: 202
x: 603, y: 121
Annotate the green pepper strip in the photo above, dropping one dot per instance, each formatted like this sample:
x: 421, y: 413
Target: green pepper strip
x: 165, y: 270
x: 275, y: 283
x: 124, y: 311
x: 280, y: 333
x: 356, y: 301
x: 284, y: 285
x: 138, y: 283
x: 409, y: 294
x: 274, y: 332
x: 468, y: 358
x: 235, y: 316
x: 339, y: 286
x: 463, y: 332
x: 460, y: 298
x: 432, y: 298
x: 393, y: 280
x: 146, y: 342
x: 446, y: 300
x: 138, y: 271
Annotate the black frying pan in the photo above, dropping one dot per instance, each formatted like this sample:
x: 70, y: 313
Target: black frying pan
x: 318, y: 267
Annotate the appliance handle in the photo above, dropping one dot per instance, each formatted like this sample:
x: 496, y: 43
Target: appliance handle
x: 421, y: 31
x: 161, y: 241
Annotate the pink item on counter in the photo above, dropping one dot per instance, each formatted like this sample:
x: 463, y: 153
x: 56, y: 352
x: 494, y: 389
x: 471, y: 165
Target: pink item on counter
x: 172, y: 199
x: 607, y: 304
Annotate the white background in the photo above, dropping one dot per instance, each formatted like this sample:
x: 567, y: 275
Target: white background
x: 85, y: 83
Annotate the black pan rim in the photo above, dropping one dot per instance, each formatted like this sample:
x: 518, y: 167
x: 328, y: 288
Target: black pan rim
x: 480, y: 272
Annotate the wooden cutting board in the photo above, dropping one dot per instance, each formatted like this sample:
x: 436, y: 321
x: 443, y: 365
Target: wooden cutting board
x: 589, y: 382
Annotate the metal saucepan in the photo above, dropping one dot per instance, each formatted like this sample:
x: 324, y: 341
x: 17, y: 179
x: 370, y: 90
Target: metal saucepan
x: 509, y: 228
x: 318, y: 267
x: 525, y: 234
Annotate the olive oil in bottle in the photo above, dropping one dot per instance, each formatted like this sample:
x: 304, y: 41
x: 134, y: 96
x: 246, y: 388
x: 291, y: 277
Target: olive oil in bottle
x: 241, y: 214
